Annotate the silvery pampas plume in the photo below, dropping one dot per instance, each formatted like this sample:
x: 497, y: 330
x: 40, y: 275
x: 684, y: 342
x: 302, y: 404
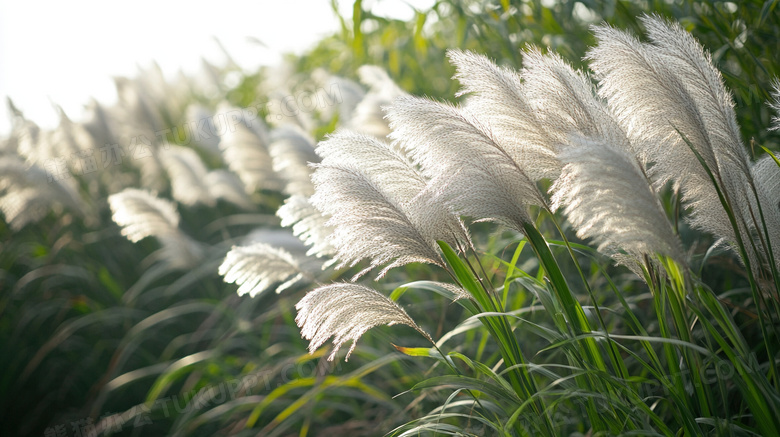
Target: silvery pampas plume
x: 245, y: 150
x: 27, y: 193
x: 99, y: 124
x: 475, y: 175
x: 339, y: 95
x: 201, y: 119
x: 27, y: 135
x: 378, y: 81
x: 169, y: 98
x: 368, y: 118
x: 193, y: 184
x: 136, y: 109
x: 41, y: 146
x: 145, y: 156
x: 373, y: 218
x: 606, y: 196
x: 346, y: 312
x: 650, y: 101
x: 766, y: 174
x: 23, y: 206
x: 284, y: 109
x: 656, y: 90
x: 389, y: 167
x: 704, y: 83
x: 225, y: 185
x: 142, y: 214
x: 255, y: 268
x: 308, y: 224
x: 566, y: 102
x: 497, y: 97
x: 368, y: 224
x: 72, y: 137
x: 693, y: 64
x: 774, y: 104
x: 292, y: 150
x: 188, y: 176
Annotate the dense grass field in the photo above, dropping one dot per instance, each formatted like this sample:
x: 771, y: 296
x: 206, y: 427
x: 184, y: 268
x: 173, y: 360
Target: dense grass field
x: 499, y: 218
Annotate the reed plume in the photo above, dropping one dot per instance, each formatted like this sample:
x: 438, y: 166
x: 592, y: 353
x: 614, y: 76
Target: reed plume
x: 345, y: 312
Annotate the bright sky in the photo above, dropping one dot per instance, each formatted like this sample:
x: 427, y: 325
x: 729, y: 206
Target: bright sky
x: 67, y: 51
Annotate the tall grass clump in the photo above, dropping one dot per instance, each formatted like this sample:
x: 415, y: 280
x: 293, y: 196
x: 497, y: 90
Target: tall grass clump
x: 601, y: 154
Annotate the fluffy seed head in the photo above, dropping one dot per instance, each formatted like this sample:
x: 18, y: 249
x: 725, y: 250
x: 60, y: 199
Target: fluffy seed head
x: 474, y: 174
x: 498, y: 98
x: 308, y: 224
x: 142, y: 214
x: 346, y: 312
x: 255, y: 268
x: 607, y: 198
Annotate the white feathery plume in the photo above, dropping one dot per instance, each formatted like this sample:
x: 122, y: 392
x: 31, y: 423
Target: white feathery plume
x: 23, y: 206
x: 55, y: 144
x: 188, y: 176
x: 267, y: 257
x: 497, y: 97
x: 202, y: 120
x: 774, y: 104
x: 343, y: 94
x: 309, y: 225
x: 152, y: 172
x: 225, y: 185
x: 292, y: 150
x: 368, y: 117
x: 39, y: 146
x: 378, y: 81
x: 369, y: 224
x: 99, y: 124
x: 256, y: 267
x: 142, y: 214
x: 169, y: 98
x: 649, y: 100
x: 27, y: 194
x: 379, y: 205
x: 137, y: 111
x: 766, y: 174
x: 476, y: 176
x: 566, y: 101
x: 28, y: 135
x: 10, y: 144
x: 389, y: 167
x: 283, y: 108
x: 72, y: 137
x: 693, y: 65
x: 284, y: 239
x: 346, y: 312
x: 276, y: 77
x: 653, y: 93
x: 607, y: 197
x: 246, y: 154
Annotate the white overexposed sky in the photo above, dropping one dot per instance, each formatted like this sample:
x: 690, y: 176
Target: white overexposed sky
x: 66, y: 51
